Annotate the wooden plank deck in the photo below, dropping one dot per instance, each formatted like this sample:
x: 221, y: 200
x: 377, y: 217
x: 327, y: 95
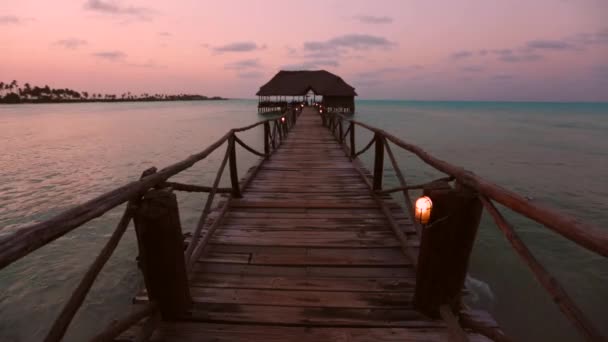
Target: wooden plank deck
x: 305, y: 255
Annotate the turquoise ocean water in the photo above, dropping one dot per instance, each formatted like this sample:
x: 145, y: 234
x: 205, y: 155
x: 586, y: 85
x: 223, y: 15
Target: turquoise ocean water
x: 55, y: 156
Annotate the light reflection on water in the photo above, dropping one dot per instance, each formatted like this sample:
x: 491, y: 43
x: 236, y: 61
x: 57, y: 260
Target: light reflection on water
x: 56, y: 156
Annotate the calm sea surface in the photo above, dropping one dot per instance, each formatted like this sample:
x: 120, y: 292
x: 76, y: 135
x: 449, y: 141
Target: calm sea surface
x: 55, y: 156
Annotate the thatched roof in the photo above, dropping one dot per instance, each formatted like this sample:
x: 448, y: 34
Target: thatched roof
x: 294, y: 83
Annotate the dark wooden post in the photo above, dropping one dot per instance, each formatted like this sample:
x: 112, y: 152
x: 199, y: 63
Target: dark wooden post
x: 234, y: 175
x: 161, y: 252
x: 378, y: 162
x: 352, y: 140
x: 277, y: 123
x: 266, y: 138
x: 340, y: 131
x: 445, y: 247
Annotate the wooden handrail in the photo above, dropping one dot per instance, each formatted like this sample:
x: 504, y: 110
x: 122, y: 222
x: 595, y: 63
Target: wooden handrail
x: 28, y: 239
x: 586, y: 235
x: 78, y: 295
x: 548, y: 282
x: 194, y: 188
x: 208, y: 203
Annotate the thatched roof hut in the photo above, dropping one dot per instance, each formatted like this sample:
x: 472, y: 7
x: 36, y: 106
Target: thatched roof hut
x: 337, y: 94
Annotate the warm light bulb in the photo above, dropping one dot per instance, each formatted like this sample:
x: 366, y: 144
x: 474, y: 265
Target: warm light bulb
x: 283, y: 119
x: 424, y: 205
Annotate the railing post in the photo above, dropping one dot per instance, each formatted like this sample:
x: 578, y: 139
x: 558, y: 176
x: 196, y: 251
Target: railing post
x: 266, y: 138
x: 161, y: 252
x: 277, y: 124
x: 378, y: 162
x: 340, y: 131
x: 445, y: 247
x: 352, y: 140
x: 234, y: 175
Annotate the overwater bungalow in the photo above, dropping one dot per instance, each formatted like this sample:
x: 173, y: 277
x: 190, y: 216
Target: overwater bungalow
x: 304, y: 86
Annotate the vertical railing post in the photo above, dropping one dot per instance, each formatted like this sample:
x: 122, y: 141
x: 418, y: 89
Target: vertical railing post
x: 378, y: 162
x: 445, y: 247
x: 352, y: 140
x: 234, y: 175
x: 277, y: 123
x: 266, y: 138
x: 340, y: 131
x: 161, y: 252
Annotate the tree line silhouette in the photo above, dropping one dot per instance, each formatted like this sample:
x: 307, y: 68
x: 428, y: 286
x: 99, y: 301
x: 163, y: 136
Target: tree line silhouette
x: 11, y: 92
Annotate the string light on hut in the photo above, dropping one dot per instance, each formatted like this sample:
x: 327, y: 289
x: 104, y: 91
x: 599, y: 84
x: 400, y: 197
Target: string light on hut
x: 424, y: 205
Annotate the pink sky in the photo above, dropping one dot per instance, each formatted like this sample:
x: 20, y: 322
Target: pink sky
x: 426, y: 50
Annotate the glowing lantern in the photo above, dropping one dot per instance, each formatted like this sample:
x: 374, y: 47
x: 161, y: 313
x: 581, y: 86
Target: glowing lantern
x: 283, y: 119
x: 424, y: 205
x: 302, y: 105
x: 321, y: 111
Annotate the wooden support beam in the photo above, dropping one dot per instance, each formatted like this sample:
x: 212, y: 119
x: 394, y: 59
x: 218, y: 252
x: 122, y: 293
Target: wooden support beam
x: 266, y: 139
x: 445, y: 247
x: 378, y: 162
x: 352, y: 140
x: 161, y: 255
x: 234, y: 175
x: 340, y: 132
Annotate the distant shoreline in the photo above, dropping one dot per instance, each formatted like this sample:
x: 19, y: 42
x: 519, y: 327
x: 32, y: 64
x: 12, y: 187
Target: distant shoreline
x: 11, y: 93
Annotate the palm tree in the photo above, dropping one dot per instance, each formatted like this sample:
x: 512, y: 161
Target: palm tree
x: 13, y: 85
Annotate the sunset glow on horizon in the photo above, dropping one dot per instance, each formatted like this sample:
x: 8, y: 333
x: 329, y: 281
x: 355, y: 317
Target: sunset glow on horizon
x: 423, y: 50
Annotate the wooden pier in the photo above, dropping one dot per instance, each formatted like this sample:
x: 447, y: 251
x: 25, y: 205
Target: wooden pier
x: 307, y: 246
x: 306, y: 252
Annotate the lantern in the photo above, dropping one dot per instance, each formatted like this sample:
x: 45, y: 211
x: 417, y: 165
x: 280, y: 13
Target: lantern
x: 424, y: 205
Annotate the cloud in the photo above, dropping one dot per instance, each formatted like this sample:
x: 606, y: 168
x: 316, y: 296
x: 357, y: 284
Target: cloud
x: 472, y: 68
x: 71, y: 43
x: 243, y: 64
x: 238, y: 47
x: 14, y: 20
x: 461, y: 55
x: 520, y: 58
x: 250, y: 74
x: 550, y: 45
x: 112, y: 56
x: 349, y: 41
x: 113, y: 8
x: 312, y: 64
x: 10, y: 20
x: 370, y: 19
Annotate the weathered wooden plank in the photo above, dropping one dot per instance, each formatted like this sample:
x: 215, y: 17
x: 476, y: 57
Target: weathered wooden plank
x: 299, y: 298
x: 314, y: 271
x: 294, y: 256
x: 244, y: 203
x: 303, y: 283
x: 307, y: 316
x: 203, y: 332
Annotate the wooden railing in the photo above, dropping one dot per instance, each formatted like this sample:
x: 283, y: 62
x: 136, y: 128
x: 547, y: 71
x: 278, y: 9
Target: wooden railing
x: 30, y: 238
x: 588, y: 236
